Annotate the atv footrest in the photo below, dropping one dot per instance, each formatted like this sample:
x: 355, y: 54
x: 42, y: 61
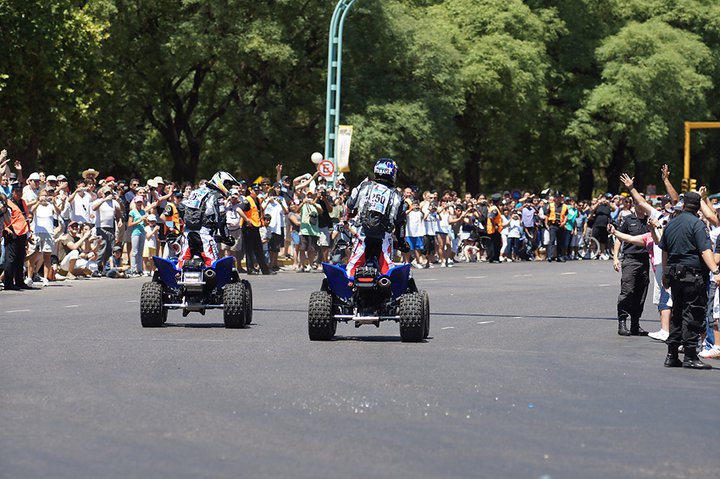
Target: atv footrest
x: 364, y: 319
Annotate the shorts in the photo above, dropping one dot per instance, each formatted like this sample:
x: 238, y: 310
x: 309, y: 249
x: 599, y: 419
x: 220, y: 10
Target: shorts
x: 661, y: 296
x: 295, y: 236
x: 430, y: 243
x: 308, y: 243
x: 416, y: 243
x: 324, y: 238
x: 149, y: 252
x: 600, y: 233
x: 44, y: 243
x: 276, y: 242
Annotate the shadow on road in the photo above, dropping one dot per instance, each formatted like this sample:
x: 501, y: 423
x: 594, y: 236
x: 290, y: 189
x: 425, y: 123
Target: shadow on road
x: 517, y: 316
x: 200, y: 325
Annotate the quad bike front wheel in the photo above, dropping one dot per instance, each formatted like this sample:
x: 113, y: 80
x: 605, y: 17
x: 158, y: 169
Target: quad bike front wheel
x: 412, y: 318
x: 234, y: 305
x: 321, y: 323
x: 248, y: 302
x: 426, y: 312
x: 152, y: 313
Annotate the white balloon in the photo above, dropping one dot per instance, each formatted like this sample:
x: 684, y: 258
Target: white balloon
x: 316, y: 157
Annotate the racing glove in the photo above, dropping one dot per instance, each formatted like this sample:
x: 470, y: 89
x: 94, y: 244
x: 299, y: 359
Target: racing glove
x: 402, y: 245
x: 228, y: 240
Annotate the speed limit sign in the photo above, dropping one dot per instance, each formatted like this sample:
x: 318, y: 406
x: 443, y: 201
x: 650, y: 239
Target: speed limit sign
x: 326, y: 168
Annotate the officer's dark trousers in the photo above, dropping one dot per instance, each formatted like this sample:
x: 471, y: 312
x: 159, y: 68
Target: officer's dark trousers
x: 689, y: 295
x: 555, y: 244
x: 14, y: 259
x: 633, y: 287
x: 253, y: 249
x: 495, y: 246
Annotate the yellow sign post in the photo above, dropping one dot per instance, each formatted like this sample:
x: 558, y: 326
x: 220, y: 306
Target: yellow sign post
x: 694, y: 125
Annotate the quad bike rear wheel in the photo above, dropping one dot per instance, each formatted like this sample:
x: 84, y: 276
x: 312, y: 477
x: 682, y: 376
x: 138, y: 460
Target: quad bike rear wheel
x: 152, y: 313
x: 234, y: 307
x: 321, y: 323
x: 412, y: 318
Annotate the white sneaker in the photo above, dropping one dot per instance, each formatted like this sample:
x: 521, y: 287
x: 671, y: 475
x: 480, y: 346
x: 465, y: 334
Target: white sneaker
x: 29, y: 282
x: 712, y: 353
x: 443, y: 265
x: 659, y: 335
x: 417, y: 265
x: 45, y: 282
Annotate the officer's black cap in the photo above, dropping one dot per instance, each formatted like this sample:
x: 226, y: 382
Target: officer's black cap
x: 692, y: 199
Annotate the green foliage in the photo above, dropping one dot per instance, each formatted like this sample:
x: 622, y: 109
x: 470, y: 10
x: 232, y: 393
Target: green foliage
x: 473, y: 94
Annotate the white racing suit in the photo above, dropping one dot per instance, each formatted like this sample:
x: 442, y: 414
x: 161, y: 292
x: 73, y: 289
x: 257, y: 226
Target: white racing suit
x: 380, y: 211
x: 204, y: 214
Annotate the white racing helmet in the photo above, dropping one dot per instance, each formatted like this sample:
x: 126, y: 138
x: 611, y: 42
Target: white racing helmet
x: 223, y: 181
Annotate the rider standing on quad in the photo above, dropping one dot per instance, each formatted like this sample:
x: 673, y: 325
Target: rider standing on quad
x: 379, y: 211
x: 204, y: 214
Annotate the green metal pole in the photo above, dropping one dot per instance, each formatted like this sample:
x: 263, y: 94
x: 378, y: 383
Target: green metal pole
x: 332, y: 106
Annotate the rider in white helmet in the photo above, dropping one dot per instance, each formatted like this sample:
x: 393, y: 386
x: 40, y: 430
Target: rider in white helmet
x: 204, y: 216
x: 379, y: 212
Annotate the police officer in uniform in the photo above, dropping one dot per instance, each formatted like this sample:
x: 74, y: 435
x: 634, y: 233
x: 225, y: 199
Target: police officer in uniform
x: 635, y: 275
x: 687, y: 257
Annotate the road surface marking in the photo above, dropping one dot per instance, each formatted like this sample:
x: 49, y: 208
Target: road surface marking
x: 132, y: 301
x: 18, y: 311
x: 522, y: 275
x: 72, y: 306
x: 475, y: 277
x: 285, y: 289
x: 429, y: 279
x: 569, y: 272
x: 448, y: 327
x: 603, y: 285
x: 485, y: 322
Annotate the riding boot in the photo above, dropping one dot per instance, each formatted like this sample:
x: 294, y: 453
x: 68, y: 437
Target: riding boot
x: 622, y: 327
x: 672, y: 360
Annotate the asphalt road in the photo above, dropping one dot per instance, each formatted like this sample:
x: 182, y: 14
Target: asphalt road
x: 523, y: 376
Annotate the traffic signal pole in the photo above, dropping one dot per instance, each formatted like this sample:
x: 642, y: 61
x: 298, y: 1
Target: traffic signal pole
x: 689, y: 126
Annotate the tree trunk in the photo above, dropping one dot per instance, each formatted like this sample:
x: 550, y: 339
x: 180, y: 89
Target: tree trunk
x: 472, y: 173
x: 616, y: 166
x: 587, y: 180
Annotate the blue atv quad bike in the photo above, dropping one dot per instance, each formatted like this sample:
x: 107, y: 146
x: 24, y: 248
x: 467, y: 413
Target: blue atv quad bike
x: 369, y: 298
x: 196, y: 288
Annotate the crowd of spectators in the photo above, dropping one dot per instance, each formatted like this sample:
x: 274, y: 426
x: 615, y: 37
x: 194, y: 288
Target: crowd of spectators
x: 55, y: 228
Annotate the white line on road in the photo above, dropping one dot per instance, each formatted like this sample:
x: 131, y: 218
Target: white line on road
x: 285, y: 289
x: 517, y: 317
x: 485, y: 322
x: 18, y: 311
x: 429, y: 279
x: 569, y: 272
x: 522, y: 275
x: 603, y: 285
x: 475, y: 277
x: 132, y: 301
x: 72, y: 306
x: 448, y: 327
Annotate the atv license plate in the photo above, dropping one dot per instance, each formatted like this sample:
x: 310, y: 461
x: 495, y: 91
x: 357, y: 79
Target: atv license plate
x: 192, y: 277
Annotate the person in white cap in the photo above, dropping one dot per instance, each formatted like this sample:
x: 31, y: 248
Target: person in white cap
x: 30, y: 192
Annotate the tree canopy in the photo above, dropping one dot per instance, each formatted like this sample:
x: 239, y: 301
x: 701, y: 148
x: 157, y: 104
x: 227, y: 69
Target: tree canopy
x: 477, y: 95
